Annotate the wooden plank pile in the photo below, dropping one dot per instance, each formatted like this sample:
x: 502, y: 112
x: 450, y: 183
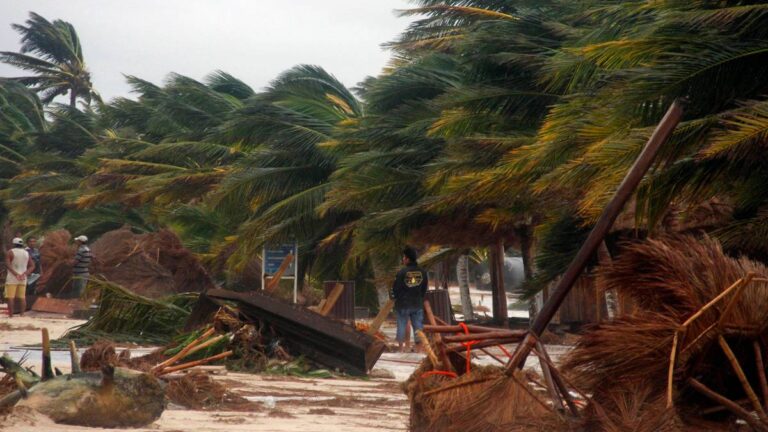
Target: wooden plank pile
x: 327, y: 341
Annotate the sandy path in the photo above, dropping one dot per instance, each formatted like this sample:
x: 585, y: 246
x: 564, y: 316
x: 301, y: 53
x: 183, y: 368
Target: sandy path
x: 281, y: 403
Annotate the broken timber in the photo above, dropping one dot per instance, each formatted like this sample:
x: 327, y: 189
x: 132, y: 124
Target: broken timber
x: 324, y: 340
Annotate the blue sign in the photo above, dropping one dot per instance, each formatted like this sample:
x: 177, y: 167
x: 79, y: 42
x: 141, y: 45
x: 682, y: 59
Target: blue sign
x: 274, y: 256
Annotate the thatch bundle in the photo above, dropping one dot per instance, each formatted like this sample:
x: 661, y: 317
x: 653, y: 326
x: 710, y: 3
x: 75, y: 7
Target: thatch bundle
x: 101, y: 354
x: 56, y: 258
x: 153, y: 264
x: 670, y: 281
x: 440, y: 403
x: 197, y: 390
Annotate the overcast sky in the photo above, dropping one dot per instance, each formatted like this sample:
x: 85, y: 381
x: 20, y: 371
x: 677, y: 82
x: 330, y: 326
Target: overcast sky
x: 253, y: 40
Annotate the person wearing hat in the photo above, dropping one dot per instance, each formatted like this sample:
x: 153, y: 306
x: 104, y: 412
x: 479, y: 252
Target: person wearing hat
x: 19, y: 266
x: 408, y: 292
x: 81, y: 270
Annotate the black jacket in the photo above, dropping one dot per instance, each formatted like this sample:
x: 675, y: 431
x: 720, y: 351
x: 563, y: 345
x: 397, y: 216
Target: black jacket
x: 409, y: 288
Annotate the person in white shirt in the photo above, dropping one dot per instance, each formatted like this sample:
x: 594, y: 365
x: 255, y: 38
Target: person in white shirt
x: 18, y: 266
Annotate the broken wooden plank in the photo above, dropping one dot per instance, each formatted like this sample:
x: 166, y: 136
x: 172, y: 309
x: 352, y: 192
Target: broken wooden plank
x: 321, y: 339
x: 275, y: 278
x: 331, y: 300
x: 54, y: 305
x: 379, y: 320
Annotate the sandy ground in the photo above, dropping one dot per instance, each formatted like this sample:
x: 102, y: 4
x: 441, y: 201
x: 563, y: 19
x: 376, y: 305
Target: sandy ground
x: 280, y: 403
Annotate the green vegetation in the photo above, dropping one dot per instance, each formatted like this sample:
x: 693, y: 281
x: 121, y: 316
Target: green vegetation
x: 508, y: 119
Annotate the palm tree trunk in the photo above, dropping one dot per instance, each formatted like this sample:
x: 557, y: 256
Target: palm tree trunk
x: 462, y: 274
x: 72, y: 98
x: 497, y: 256
x: 382, y: 279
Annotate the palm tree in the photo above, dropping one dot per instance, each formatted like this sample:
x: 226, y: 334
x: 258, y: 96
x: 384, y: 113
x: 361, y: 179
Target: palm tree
x: 52, y: 52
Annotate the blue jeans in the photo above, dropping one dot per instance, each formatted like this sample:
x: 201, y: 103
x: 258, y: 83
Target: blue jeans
x: 416, y: 316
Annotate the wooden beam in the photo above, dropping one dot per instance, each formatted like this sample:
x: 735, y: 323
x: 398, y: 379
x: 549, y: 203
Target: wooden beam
x: 274, y: 280
x: 728, y: 404
x: 382, y: 315
x: 610, y: 213
x: 331, y: 300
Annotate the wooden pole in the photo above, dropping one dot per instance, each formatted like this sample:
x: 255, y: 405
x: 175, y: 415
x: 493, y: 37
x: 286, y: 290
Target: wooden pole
x: 509, y: 334
x: 47, y: 367
x: 379, y: 320
x: 623, y: 193
x: 761, y: 372
x: 557, y: 378
x: 437, y: 337
x: 184, y: 351
x: 275, y: 278
x: 73, y: 357
x: 743, y: 379
x: 196, y: 363
x: 333, y: 297
x: 729, y: 404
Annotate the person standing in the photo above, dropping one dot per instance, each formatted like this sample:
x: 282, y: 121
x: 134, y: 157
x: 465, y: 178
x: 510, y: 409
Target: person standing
x: 81, y: 270
x: 18, y: 266
x: 408, y: 292
x: 34, y: 255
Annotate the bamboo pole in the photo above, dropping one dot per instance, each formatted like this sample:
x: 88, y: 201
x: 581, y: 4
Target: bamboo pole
x: 181, y: 354
x: 205, y: 344
x: 715, y: 300
x: 761, y: 372
x: 459, y: 329
x: 195, y: 363
x: 432, y: 320
x: 428, y: 349
x: 627, y: 187
x: 743, y: 379
x: 484, y: 336
x: 728, y: 404
x: 382, y: 315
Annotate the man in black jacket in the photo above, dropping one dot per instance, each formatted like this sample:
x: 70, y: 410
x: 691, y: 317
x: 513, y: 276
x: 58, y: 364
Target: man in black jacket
x: 408, y: 292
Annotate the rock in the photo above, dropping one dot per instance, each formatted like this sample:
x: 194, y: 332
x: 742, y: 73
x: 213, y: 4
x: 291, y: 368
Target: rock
x: 111, y: 398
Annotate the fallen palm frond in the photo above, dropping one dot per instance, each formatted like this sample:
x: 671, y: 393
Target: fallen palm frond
x: 124, y: 316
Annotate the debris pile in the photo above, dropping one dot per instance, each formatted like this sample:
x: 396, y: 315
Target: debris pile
x: 695, y: 345
x: 691, y: 356
x: 152, y: 264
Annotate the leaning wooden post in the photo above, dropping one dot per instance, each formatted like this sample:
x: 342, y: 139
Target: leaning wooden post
x: 623, y: 193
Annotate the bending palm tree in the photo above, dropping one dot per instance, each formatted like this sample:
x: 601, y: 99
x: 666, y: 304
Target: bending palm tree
x: 52, y: 52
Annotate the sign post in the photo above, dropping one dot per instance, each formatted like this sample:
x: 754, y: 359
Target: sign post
x: 274, y: 255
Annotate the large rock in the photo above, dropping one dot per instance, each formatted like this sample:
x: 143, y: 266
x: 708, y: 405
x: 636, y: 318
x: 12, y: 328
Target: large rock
x: 112, y: 398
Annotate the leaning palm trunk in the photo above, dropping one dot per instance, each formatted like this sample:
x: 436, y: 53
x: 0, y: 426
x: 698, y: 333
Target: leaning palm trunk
x: 462, y: 274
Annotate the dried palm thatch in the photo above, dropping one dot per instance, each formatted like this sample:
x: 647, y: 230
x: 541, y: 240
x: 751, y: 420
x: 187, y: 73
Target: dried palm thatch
x: 197, y: 390
x: 56, y: 256
x: 635, y: 409
x: 153, y: 264
x: 461, y: 404
x: 670, y: 280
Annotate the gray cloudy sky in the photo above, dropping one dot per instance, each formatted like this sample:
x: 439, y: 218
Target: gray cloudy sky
x: 253, y: 40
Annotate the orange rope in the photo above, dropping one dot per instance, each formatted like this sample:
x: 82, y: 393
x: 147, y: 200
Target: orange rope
x: 437, y: 372
x: 505, y: 351
x: 468, y: 344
